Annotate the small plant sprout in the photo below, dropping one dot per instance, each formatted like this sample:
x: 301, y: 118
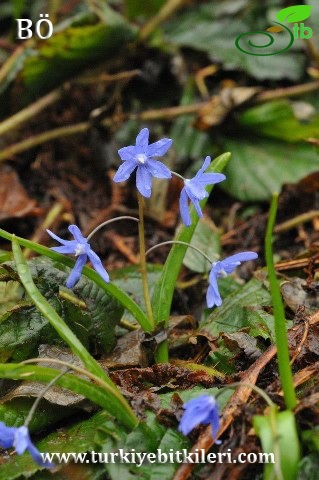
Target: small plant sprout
x: 203, y: 409
x: 140, y: 157
x: 194, y: 190
x: 222, y: 269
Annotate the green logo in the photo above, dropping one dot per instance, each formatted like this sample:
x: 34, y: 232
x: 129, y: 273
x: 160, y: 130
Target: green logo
x: 294, y: 14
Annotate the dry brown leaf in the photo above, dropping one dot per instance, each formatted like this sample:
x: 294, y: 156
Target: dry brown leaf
x: 14, y: 200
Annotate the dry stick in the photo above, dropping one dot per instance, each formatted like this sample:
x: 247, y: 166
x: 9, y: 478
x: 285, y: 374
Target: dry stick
x: 42, y: 138
x: 153, y: 114
x: 295, y: 221
x: 287, y: 92
x: 165, y: 12
x: 31, y: 111
x: 239, y: 397
x: 51, y: 216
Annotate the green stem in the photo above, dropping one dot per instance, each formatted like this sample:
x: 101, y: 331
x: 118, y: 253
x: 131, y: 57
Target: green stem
x: 141, y: 236
x: 285, y: 372
x: 161, y: 354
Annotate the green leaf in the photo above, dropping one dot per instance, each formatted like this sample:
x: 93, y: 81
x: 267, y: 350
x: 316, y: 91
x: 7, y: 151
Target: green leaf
x: 311, y: 439
x: 278, y: 434
x: 203, y: 28
x: 15, y: 412
x: 136, y: 8
x: 99, y: 392
x: 308, y: 467
x: 232, y: 315
x: 276, y: 119
x: 206, y: 239
x: 67, y: 51
x: 163, y: 294
x: 23, y: 327
x: 79, y: 438
x: 295, y: 13
x: 116, y: 292
x: 11, y: 293
x: 260, y: 167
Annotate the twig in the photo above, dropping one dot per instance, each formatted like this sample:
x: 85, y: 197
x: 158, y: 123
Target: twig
x: 31, y: 111
x: 153, y: 114
x: 53, y: 213
x: 239, y: 397
x: 43, y: 138
x: 165, y: 12
x: 287, y: 92
x: 298, y: 220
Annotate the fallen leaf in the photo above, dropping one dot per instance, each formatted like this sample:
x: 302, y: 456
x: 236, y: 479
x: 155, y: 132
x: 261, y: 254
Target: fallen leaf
x: 14, y: 200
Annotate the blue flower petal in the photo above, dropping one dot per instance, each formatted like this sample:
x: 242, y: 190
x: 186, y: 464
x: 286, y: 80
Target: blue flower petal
x: 124, y: 171
x: 142, y: 138
x: 66, y: 248
x: 37, y: 457
x: 183, y: 207
x: 76, y: 232
x: 203, y: 409
x: 211, y: 178
x: 76, y: 271
x: 6, y: 435
x: 58, y: 239
x: 213, y: 296
x: 197, y: 207
x: 127, y: 153
x: 157, y: 149
x: 97, y: 264
x: 203, y: 167
x: 144, y: 181
x: 230, y: 263
x: 158, y: 169
x: 194, y: 190
x: 19, y: 438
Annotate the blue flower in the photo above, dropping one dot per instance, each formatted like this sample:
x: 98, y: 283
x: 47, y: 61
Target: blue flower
x: 140, y: 157
x: 194, y: 189
x: 203, y: 409
x: 19, y: 438
x: 81, y: 249
x: 222, y: 269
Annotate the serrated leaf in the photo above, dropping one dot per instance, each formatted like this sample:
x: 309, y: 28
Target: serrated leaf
x: 295, y: 13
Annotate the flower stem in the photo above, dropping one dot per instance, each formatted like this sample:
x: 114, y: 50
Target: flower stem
x: 178, y: 242
x: 141, y: 236
x: 107, y: 222
x: 285, y: 372
x: 39, y: 398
